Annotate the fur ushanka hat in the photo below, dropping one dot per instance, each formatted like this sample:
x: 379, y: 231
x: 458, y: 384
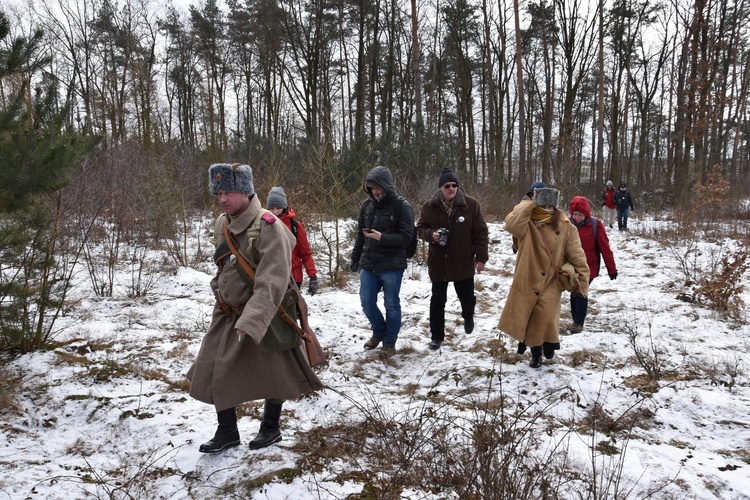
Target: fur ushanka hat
x: 234, y: 177
x: 546, y: 196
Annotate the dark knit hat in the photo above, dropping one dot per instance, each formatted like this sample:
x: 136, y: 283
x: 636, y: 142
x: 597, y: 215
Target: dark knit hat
x: 276, y: 198
x: 623, y: 185
x: 234, y: 177
x: 536, y: 185
x: 546, y: 196
x: 447, y: 175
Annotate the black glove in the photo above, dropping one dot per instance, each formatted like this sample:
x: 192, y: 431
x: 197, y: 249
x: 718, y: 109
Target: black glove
x: 613, y: 276
x: 354, y: 266
x: 313, y: 286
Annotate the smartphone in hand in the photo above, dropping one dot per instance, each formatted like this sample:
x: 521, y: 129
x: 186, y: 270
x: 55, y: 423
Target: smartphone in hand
x: 366, y: 229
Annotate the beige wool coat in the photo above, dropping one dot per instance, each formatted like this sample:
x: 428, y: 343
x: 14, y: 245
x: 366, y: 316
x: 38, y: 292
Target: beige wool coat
x: 230, y: 370
x: 532, y: 312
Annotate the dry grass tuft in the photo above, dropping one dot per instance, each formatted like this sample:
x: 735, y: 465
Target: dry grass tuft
x: 585, y: 357
x: 642, y: 384
x: 11, y: 386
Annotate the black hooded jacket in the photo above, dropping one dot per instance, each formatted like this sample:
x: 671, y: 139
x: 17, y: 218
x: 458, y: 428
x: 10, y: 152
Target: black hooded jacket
x: 392, y: 216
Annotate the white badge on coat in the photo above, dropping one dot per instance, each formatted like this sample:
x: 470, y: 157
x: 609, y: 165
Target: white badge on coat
x: 461, y: 219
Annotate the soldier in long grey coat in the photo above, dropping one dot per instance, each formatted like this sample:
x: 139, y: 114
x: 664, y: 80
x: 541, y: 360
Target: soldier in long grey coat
x: 231, y: 366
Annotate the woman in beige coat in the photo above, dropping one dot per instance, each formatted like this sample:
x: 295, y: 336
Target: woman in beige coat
x: 532, y: 312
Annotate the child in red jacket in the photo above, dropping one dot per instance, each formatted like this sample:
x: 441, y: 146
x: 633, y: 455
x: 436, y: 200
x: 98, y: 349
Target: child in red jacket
x: 595, y: 245
x: 301, y: 254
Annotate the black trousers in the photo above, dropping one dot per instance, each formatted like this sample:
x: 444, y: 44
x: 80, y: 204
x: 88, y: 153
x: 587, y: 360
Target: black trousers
x: 464, y: 291
x: 578, y: 308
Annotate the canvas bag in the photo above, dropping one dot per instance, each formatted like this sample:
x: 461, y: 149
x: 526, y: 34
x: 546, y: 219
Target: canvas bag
x: 566, y: 274
x: 568, y: 278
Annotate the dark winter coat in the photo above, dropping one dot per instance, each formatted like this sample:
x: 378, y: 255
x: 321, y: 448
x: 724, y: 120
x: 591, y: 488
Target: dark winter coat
x: 594, y: 248
x: 623, y: 200
x: 467, y: 241
x: 230, y: 370
x: 532, y: 312
x: 302, y: 253
x: 393, y: 217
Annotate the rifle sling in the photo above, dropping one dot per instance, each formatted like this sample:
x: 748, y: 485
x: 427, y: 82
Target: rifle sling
x: 245, y: 264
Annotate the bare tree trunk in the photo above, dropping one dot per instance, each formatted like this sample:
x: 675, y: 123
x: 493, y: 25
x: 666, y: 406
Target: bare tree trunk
x: 600, y: 121
x: 522, y: 173
x: 415, y: 70
x: 489, y: 77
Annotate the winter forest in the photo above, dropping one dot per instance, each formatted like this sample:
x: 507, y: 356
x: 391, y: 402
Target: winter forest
x: 575, y: 93
x: 111, y: 112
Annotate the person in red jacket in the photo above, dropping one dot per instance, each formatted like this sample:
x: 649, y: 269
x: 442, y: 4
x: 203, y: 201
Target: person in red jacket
x: 595, y: 245
x: 609, y: 206
x: 301, y: 254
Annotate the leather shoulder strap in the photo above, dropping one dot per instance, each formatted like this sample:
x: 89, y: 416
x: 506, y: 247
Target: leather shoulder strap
x: 245, y: 264
x: 241, y: 259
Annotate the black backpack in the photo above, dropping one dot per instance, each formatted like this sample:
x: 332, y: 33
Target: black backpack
x: 411, y: 247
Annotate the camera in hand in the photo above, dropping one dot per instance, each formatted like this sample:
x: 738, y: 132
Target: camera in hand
x: 443, y: 232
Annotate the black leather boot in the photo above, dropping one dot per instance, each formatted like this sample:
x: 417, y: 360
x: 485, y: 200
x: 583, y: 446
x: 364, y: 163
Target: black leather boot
x: 536, y: 357
x: 269, y: 428
x: 226, y: 435
x: 469, y: 324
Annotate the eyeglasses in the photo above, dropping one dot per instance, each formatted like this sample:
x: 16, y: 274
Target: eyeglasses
x: 450, y: 186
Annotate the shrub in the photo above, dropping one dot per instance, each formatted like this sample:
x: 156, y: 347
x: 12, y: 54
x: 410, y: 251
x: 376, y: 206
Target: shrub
x: 723, y: 290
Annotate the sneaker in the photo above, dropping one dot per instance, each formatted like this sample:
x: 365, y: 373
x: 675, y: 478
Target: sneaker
x: 576, y: 328
x: 373, y: 343
x: 387, y: 351
x: 469, y: 325
x: 435, y: 345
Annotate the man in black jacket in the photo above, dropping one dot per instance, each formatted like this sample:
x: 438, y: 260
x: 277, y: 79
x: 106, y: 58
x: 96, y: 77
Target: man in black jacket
x: 624, y: 201
x: 385, y: 227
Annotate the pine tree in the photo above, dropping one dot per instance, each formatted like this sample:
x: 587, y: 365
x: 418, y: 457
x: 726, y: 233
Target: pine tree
x: 37, y: 153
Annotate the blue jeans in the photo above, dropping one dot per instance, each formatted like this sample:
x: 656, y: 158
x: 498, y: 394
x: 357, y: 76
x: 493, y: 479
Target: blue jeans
x: 622, y: 219
x: 370, y: 284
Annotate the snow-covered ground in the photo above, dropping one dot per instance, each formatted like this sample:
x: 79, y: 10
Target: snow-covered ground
x: 107, y: 414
